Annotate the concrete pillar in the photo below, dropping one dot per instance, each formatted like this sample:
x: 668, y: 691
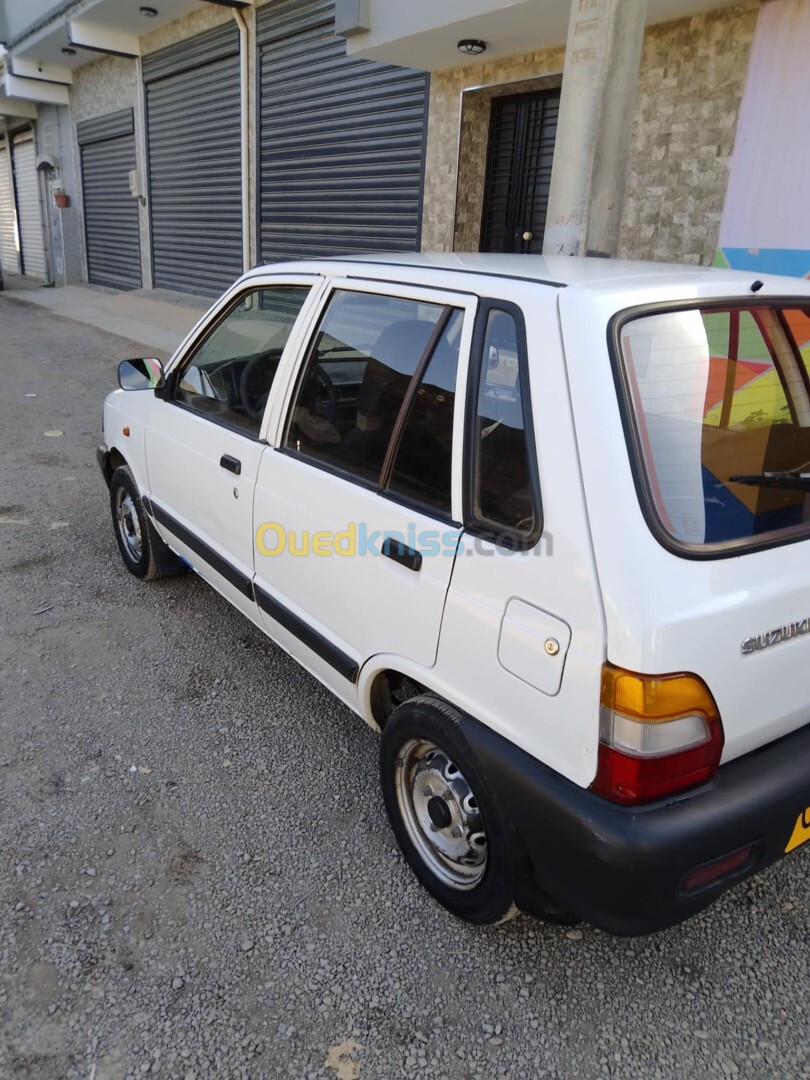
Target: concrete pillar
x: 602, y: 59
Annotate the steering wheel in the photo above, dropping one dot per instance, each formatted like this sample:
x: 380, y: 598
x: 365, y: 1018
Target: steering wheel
x: 327, y: 387
x: 255, y: 381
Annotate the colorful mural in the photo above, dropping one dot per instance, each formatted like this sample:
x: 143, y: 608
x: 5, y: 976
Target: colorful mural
x: 794, y: 262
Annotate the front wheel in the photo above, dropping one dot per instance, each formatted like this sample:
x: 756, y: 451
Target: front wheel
x: 445, y: 817
x: 144, y: 553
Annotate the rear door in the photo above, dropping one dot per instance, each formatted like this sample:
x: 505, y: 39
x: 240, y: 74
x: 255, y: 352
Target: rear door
x: 203, y: 443
x: 358, y: 502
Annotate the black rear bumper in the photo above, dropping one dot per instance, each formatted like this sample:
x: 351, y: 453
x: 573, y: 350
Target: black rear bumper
x: 623, y: 868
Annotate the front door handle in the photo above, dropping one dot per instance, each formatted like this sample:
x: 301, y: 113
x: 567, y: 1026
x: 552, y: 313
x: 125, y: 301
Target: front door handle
x: 232, y: 464
x: 401, y: 553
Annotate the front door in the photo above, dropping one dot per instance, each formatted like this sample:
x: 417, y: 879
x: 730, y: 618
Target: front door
x: 203, y: 446
x: 521, y: 151
x: 356, y: 504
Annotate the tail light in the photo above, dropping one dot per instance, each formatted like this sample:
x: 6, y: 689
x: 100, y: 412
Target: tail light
x: 658, y: 735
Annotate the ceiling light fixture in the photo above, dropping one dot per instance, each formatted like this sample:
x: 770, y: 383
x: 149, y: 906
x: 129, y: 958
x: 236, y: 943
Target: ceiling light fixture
x: 67, y: 51
x: 149, y: 12
x: 471, y: 46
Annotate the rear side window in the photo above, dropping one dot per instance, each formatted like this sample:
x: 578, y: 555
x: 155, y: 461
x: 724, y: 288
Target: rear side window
x: 719, y: 398
x: 503, y: 502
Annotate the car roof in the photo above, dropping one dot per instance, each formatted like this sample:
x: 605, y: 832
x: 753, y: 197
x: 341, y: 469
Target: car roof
x: 557, y: 271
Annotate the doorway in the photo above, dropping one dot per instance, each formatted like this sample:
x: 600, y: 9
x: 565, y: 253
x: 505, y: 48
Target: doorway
x: 522, y: 132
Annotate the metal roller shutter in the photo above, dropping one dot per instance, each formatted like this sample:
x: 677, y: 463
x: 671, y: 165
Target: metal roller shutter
x: 112, y: 235
x: 194, y: 145
x: 342, y: 140
x: 9, y: 255
x: 29, y: 210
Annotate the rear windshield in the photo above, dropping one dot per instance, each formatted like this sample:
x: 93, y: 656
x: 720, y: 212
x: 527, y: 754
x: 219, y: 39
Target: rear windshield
x: 720, y: 405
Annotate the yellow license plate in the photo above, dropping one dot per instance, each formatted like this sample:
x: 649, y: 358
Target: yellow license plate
x: 801, y: 831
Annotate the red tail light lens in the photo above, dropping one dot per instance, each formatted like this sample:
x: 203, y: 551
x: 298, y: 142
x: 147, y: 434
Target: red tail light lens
x: 659, y: 734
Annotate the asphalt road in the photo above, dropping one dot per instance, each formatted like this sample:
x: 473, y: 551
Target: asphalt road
x: 196, y: 875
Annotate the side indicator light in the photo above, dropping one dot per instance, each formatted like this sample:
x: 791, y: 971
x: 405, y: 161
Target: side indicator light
x: 126, y: 431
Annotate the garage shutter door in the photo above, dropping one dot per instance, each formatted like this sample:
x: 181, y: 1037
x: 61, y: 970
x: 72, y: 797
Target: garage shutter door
x: 110, y: 213
x: 9, y: 258
x: 29, y: 213
x: 342, y: 140
x: 194, y: 144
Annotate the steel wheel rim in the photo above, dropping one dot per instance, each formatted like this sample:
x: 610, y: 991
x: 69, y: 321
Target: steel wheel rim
x: 441, y: 814
x: 128, y: 524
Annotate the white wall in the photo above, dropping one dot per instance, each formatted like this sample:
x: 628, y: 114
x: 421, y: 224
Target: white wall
x: 20, y: 14
x: 766, y: 220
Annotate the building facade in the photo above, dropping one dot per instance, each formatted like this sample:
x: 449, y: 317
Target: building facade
x: 171, y: 147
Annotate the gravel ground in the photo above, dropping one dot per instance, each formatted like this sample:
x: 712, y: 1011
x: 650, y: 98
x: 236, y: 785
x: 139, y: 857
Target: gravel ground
x: 196, y: 875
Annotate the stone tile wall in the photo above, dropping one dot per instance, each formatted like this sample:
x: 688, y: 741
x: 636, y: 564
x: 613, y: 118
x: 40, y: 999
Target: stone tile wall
x: 690, y: 86
x: 692, y: 78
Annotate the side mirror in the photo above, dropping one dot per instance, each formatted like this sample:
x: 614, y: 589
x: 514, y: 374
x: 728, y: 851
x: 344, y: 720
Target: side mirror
x: 140, y: 374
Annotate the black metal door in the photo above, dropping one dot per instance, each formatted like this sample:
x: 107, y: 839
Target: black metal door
x: 521, y: 151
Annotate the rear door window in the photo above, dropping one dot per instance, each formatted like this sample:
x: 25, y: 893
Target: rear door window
x: 719, y: 398
x: 375, y: 398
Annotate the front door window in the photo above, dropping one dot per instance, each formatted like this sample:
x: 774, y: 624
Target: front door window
x: 228, y: 378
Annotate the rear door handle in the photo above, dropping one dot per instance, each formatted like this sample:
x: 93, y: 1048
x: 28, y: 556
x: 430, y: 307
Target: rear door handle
x: 401, y: 553
x: 232, y: 464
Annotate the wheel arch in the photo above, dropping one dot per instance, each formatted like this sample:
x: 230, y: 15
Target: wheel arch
x: 113, y: 460
x: 387, y: 681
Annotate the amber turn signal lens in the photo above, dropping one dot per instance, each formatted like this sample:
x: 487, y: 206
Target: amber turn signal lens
x: 655, y: 698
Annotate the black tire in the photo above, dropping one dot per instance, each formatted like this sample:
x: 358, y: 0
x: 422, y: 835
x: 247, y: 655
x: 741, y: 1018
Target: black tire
x: 488, y: 895
x: 137, y: 540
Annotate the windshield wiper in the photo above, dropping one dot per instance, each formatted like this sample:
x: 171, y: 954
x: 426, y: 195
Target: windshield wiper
x: 789, y: 478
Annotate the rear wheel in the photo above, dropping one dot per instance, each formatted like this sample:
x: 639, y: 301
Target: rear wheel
x: 446, y: 819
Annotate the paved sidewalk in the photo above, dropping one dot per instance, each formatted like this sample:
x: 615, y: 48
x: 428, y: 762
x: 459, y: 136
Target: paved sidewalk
x: 156, y: 318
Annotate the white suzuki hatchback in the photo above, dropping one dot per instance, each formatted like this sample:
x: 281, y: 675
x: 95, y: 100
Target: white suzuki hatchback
x: 544, y: 522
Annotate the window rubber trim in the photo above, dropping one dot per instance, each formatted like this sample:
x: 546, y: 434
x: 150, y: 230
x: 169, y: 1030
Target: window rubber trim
x: 724, y: 549
x: 483, y: 527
